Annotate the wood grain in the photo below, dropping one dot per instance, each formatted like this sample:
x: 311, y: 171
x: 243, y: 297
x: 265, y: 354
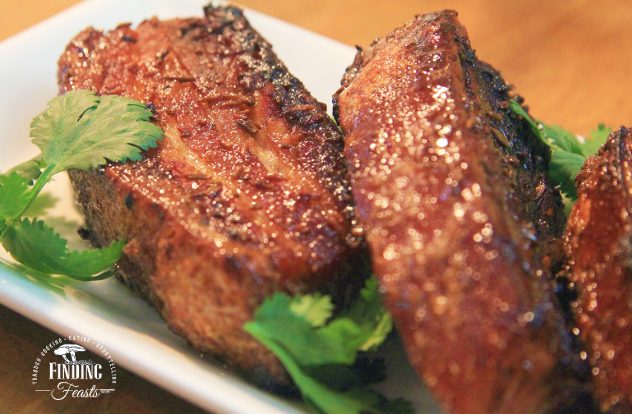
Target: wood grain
x: 571, y: 60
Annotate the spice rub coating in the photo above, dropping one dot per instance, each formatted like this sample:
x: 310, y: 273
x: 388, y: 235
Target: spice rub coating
x: 598, y: 243
x: 247, y: 193
x: 461, y: 222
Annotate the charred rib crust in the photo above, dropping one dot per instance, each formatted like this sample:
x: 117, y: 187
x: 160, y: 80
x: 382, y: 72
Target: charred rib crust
x: 246, y: 195
x: 461, y: 221
x: 294, y: 102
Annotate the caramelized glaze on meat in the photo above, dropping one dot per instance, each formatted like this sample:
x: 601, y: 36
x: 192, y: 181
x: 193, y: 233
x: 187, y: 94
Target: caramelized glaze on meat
x: 247, y: 193
x: 599, y: 246
x: 451, y: 189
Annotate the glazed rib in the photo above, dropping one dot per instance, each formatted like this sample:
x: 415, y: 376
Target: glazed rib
x: 598, y: 244
x: 247, y: 193
x: 460, y: 220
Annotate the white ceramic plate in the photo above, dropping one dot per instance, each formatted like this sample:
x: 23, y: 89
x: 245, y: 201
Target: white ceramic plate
x: 106, y: 311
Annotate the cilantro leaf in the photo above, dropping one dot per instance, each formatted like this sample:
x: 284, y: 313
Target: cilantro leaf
x: 42, y: 202
x: 39, y: 247
x: 327, y: 400
x: 77, y: 130
x: 563, y: 169
x: 320, y: 351
x: 296, y: 322
x: 561, y: 139
x: 300, y: 337
x: 363, y: 372
x: 82, y: 130
x: 568, y: 153
x: 15, y: 195
x: 369, y: 313
x: 517, y: 109
x: 597, y: 138
x: 30, y: 169
x: 370, y: 370
x: 315, y: 309
x: 84, y: 264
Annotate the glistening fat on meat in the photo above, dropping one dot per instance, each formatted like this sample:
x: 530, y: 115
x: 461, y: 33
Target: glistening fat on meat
x: 246, y: 195
x: 598, y: 244
x: 460, y: 221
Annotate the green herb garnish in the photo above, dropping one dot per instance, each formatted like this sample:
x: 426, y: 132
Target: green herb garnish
x: 321, y: 351
x: 78, y: 130
x: 568, y: 153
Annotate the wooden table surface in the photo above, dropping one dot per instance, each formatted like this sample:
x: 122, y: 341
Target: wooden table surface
x: 571, y: 60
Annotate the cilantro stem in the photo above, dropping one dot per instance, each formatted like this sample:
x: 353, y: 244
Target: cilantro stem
x: 106, y: 274
x: 41, y: 181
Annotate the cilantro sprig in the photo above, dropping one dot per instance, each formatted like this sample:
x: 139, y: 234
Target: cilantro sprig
x: 322, y: 352
x: 568, y: 152
x: 78, y: 130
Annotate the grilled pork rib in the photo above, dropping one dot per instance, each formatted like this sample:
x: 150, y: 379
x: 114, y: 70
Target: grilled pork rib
x: 247, y: 193
x: 451, y: 189
x: 598, y: 243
